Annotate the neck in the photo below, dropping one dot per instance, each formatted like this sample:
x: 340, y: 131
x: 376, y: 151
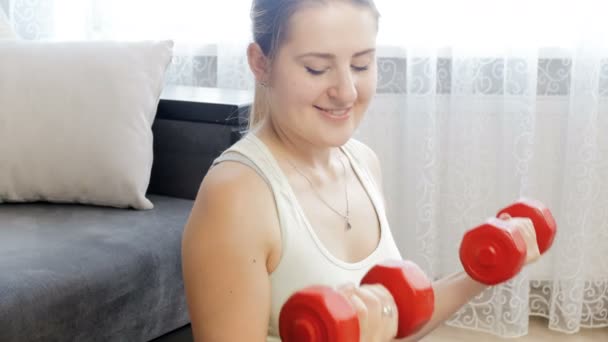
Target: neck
x: 299, y: 150
x: 323, y: 163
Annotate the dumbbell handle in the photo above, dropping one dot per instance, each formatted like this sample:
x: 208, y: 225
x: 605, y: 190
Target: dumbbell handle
x: 542, y: 219
x: 496, y: 251
x: 321, y: 314
x: 412, y: 292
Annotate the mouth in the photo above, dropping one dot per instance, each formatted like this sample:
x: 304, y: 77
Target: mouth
x: 336, y: 114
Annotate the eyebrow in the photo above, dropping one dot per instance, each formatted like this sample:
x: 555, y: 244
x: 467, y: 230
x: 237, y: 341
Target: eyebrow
x: 330, y: 56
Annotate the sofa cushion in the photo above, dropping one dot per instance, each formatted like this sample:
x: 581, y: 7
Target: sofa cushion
x: 84, y: 273
x: 76, y: 119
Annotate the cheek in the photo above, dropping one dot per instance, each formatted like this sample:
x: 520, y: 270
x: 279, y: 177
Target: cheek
x: 293, y: 98
x: 305, y: 91
x: 367, y: 87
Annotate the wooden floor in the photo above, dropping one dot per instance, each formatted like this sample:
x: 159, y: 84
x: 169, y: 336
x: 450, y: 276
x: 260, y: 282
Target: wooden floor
x: 538, y: 332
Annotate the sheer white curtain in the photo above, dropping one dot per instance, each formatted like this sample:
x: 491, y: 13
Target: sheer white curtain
x: 471, y: 134
x: 499, y: 102
x: 478, y: 103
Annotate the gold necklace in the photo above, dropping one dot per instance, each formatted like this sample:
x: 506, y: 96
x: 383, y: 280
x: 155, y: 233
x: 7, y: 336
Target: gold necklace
x: 345, y: 217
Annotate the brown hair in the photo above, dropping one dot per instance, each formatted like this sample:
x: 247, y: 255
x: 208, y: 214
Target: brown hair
x: 270, y: 19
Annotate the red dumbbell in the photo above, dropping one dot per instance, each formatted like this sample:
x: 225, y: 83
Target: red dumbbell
x: 495, y: 252
x: 321, y: 314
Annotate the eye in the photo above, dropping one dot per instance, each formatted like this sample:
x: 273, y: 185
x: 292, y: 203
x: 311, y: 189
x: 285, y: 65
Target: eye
x: 315, y: 72
x: 358, y: 68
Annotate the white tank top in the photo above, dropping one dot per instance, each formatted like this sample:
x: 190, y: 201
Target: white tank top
x: 304, y: 260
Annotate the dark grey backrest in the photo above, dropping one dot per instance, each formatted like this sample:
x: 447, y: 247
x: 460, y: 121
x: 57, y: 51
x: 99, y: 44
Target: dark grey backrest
x: 193, y: 126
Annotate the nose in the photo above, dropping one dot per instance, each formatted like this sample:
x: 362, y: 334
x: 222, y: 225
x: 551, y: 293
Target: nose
x: 344, y: 90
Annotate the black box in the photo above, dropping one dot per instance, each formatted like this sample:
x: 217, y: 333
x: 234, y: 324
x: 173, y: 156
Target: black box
x: 193, y: 126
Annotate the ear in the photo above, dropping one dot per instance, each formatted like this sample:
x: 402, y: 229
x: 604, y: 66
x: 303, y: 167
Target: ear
x: 258, y: 63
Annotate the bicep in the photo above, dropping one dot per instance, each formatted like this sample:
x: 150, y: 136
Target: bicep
x: 225, y: 275
x: 226, y: 290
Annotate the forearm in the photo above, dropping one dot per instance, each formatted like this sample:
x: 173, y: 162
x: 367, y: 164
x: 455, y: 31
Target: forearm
x: 451, y: 293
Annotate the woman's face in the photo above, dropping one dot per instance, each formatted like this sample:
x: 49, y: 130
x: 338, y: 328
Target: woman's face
x: 324, y: 74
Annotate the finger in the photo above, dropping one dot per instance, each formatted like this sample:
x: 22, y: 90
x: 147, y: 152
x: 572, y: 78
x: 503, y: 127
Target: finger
x: 369, y: 298
x: 504, y: 216
x: 382, y: 293
x: 532, y: 229
x: 526, y: 227
x: 361, y: 309
x: 346, y: 289
x: 529, y: 228
x: 374, y: 322
x: 347, y: 286
x: 388, y: 323
x: 387, y: 300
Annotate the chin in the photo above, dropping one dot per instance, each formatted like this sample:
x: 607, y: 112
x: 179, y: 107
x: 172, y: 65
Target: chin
x: 337, y: 137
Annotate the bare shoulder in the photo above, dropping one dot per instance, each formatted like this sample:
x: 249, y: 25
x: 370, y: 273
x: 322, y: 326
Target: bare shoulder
x: 238, y: 201
x: 231, y: 183
x: 232, y: 190
x: 371, y: 160
x: 226, y: 245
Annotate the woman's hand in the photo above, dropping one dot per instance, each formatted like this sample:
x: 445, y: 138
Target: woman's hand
x: 526, y: 228
x: 376, y: 310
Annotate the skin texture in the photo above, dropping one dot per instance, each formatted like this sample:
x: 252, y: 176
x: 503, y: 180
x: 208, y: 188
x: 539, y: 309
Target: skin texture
x: 232, y: 243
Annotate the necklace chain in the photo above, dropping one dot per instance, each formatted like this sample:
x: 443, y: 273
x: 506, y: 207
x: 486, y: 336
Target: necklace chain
x: 345, y: 217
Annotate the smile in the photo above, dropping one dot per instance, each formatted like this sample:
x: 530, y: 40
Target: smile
x: 342, y: 113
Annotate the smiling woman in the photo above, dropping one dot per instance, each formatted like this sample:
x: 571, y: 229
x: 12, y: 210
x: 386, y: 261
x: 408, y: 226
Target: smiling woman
x: 298, y: 191
x: 348, y: 72
x: 316, y: 74
x: 475, y: 105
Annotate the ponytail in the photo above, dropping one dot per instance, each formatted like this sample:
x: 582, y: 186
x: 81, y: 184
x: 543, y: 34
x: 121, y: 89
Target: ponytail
x: 259, y: 109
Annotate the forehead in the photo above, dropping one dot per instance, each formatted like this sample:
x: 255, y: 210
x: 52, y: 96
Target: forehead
x: 333, y: 27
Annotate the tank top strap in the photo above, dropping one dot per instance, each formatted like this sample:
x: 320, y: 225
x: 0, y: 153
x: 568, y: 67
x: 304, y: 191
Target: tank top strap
x: 238, y: 157
x: 253, y: 153
x: 355, y: 152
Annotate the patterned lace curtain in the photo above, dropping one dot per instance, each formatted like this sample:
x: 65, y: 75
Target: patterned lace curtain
x: 478, y: 104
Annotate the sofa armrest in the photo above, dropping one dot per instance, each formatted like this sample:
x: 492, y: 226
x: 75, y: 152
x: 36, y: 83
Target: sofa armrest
x: 193, y: 126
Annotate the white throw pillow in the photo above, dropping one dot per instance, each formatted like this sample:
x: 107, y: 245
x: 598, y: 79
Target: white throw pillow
x: 76, y: 118
x: 6, y: 32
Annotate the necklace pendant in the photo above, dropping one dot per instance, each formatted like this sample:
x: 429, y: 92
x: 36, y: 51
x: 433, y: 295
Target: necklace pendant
x: 348, y: 226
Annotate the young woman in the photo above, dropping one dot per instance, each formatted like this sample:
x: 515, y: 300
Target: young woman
x: 297, y: 201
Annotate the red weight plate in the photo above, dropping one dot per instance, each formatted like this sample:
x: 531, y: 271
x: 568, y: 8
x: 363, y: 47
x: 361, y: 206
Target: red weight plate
x: 541, y: 217
x: 318, y: 314
x: 492, y: 252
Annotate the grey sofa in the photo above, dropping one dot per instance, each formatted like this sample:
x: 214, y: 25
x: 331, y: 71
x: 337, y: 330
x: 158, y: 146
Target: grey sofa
x: 86, y: 273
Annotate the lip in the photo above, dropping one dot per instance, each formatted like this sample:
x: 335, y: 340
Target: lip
x: 327, y: 113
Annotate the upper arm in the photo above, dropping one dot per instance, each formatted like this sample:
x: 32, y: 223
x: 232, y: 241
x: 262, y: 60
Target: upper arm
x: 225, y: 247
